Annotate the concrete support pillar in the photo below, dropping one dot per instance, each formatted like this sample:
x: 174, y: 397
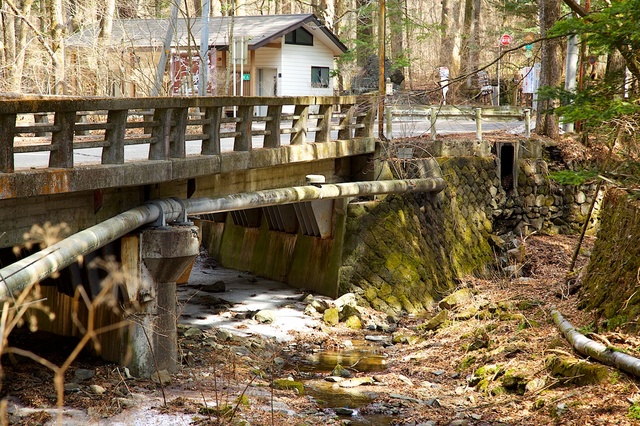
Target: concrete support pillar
x: 164, y: 254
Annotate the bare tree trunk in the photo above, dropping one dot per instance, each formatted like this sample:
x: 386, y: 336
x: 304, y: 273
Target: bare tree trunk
x: 364, y: 32
x: 396, y: 13
x: 57, y: 45
x: 15, y: 32
x: 471, y: 48
x: 551, y: 69
x: 449, y: 41
x: 106, y: 24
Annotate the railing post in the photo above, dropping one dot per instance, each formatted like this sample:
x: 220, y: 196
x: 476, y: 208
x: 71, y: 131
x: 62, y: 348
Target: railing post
x: 367, y: 120
x: 345, y: 125
x: 389, y: 121
x: 7, y: 133
x: 272, y: 139
x: 242, y: 141
x: 433, y: 116
x: 527, y: 123
x: 479, y: 124
x: 177, y: 148
x: 299, y: 125
x: 213, y: 115
x: 113, y: 153
x: 62, y: 139
x: 159, y: 150
x: 324, y: 134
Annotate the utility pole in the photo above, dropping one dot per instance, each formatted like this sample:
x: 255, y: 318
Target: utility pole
x: 381, y: 80
x: 204, y: 49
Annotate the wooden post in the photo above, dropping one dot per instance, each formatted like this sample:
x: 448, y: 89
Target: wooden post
x: 213, y: 116
x: 389, y: 118
x: 272, y: 139
x: 242, y: 141
x: 7, y: 133
x: 62, y: 140
x: 479, y: 124
x: 113, y: 153
x: 527, y: 123
x: 299, y: 125
x: 159, y: 150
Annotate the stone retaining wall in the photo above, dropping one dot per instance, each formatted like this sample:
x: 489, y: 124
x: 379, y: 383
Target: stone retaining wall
x: 541, y: 204
x: 403, y: 253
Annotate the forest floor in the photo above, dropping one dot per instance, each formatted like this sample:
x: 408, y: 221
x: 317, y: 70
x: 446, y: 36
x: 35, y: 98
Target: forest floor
x: 399, y: 374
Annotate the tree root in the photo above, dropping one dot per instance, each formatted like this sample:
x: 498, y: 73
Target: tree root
x: 595, y: 350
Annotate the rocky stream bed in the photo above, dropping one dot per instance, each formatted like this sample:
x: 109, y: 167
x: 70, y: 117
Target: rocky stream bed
x: 257, y: 353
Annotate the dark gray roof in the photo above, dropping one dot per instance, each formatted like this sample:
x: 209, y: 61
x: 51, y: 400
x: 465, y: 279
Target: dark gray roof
x: 260, y: 30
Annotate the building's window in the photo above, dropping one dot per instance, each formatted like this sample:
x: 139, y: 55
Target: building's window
x: 299, y: 36
x: 319, y: 76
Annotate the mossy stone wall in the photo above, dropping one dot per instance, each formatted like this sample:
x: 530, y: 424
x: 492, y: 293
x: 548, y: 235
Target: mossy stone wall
x: 402, y: 253
x: 541, y: 204
x: 610, y: 284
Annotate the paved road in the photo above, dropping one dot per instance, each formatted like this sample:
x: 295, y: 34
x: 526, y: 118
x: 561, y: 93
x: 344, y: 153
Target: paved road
x: 401, y: 127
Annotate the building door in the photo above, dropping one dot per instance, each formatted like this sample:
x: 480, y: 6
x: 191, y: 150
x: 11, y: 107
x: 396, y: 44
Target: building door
x: 267, y: 86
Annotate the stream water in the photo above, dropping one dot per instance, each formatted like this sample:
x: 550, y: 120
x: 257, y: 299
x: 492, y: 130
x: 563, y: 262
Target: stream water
x: 363, y: 357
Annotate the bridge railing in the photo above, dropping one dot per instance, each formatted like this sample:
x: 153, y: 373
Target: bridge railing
x: 64, y: 125
x: 477, y: 114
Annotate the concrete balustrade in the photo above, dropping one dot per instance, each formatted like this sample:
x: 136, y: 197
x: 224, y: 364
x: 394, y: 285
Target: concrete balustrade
x: 166, y: 124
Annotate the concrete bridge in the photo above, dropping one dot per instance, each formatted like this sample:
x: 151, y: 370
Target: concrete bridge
x: 162, y: 174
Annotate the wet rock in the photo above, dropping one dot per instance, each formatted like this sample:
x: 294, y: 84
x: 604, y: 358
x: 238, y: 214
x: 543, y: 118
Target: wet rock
x: 432, y: 402
x: 348, y: 299
x: 405, y: 379
x: 377, y: 338
x: 535, y: 385
x: 126, y: 402
x: 405, y: 398
x: 576, y: 371
x: 265, y: 316
x: 289, y: 384
x: 468, y: 313
x: 347, y: 311
x: 223, y: 335
x: 162, y: 377
x: 71, y: 387
x: 434, y: 323
x: 216, y: 287
x: 97, y: 389
x: 343, y: 411
x: 514, y: 381
x: 561, y: 408
x: 82, y: 374
x: 331, y: 316
x: 357, y: 381
x: 192, y: 332
x: 340, y: 371
x: 353, y: 322
x: 458, y: 298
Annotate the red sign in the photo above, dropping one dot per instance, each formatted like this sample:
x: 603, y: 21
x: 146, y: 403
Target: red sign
x: 505, y: 40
